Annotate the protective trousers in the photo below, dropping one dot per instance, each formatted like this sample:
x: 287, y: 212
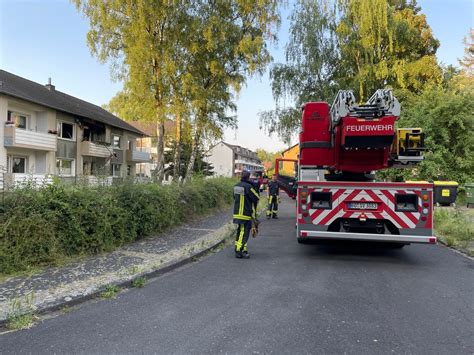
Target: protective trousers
x: 242, y: 237
x: 272, y: 208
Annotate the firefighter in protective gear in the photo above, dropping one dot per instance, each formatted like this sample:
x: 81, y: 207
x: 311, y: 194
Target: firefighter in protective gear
x: 273, y: 193
x: 245, y: 202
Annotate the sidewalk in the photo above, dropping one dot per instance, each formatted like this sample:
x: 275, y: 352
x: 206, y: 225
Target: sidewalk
x: 54, y: 287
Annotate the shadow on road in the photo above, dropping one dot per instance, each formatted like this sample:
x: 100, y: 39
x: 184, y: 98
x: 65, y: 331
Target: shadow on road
x: 359, y: 250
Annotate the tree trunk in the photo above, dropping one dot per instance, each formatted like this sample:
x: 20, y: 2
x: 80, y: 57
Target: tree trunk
x: 177, y: 149
x: 160, y: 149
x: 192, y: 158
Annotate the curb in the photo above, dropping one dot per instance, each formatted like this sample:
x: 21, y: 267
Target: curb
x: 150, y: 274
x: 456, y: 250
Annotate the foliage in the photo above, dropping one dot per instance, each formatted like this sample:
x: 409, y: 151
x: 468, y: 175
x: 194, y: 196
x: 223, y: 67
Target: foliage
x: 350, y: 44
x: 455, y: 227
x: 143, y: 39
x: 267, y: 159
x: 43, y: 226
x: 181, y: 58
x: 386, y: 43
x: 110, y: 291
x: 201, y: 167
x: 446, y: 117
x: 21, y: 312
x: 310, y: 69
x: 467, y: 62
x: 139, y: 282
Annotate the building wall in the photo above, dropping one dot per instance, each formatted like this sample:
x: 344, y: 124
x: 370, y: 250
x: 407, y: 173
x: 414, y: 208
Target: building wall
x: 221, y: 157
x: 42, y: 119
x: 288, y: 168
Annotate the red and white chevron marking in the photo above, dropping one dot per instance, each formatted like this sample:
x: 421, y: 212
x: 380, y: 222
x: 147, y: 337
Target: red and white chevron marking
x: 384, y: 198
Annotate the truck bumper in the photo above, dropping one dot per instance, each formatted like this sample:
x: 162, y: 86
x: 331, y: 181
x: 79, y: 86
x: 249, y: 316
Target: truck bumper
x: 393, y: 238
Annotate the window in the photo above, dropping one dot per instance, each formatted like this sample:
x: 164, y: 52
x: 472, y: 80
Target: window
x: 66, y: 130
x: 20, y: 120
x: 116, y: 142
x: 116, y: 169
x: 18, y: 165
x: 129, y: 170
x: 64, y: 167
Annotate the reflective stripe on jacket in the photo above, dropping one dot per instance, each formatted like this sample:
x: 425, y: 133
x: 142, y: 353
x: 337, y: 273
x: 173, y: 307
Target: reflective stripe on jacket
x: 245, y: 200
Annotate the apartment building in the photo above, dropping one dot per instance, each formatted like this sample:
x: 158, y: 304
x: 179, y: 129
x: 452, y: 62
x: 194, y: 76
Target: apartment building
x: 47, y: 132
x: 230, y: 160
x: 149, y: 143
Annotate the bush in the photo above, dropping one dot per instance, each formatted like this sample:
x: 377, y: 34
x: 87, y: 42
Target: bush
x: 40, y: 227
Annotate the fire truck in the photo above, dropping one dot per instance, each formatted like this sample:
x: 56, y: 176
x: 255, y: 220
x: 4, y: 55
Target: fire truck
x: 341, y: 148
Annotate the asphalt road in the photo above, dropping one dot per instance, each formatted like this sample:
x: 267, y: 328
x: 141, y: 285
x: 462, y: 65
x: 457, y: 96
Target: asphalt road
x: 287, y: 299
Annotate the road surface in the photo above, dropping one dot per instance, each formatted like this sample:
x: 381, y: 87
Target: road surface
x: 287, y: 299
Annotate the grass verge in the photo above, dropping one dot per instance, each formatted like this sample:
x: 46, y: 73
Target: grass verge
x: 455, y: 228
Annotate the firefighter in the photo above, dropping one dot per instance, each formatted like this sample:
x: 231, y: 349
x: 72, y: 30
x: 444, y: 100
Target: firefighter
x: 245, y: 200
x: 273, y: 194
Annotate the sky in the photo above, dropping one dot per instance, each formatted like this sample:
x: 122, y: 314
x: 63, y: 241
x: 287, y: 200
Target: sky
x: 47, y: 38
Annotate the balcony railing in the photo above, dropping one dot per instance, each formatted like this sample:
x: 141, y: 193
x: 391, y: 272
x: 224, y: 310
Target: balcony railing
x: 22, y: 138
x: 92, y: 149
x: 138, y: 156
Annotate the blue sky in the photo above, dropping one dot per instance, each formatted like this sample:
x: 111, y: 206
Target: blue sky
x: 47, y: 38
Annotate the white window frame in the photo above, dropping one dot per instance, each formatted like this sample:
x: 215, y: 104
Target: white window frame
x: 10, y: 163
x: 113, y: 165
x: 120, y: 141
x: 60, y: 130
x: 73, y: 165
x: 21, y: 114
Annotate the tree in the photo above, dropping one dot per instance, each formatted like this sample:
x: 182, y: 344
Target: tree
x: 350, y: 44
x: 446, y: 117
x: 200, y: 167
x: 386, y: 43
x: 310, y: 69
x: 467, y: 62
x: 267, y: 159
x: 228, y: 43
x: 142, y: 39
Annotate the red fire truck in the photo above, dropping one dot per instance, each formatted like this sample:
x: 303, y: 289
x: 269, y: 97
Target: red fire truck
x: 340, y: 149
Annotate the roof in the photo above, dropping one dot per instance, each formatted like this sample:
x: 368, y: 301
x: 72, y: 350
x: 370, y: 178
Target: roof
x: 149, y: 128
x: 242, y: 150
x: 16, y: 86
x: 288, y: 149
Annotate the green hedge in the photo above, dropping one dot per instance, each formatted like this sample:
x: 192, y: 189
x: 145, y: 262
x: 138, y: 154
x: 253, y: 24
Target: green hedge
x: 42, y: 227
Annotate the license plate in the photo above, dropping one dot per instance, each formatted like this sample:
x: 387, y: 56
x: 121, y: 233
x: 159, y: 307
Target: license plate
x: 362, y: 205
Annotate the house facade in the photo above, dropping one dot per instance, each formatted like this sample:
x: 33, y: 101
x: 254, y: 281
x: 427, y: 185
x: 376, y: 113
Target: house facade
x: 47, y: 132
x: 288, y: 167
x: 230, y: 160
x: 149, y: 143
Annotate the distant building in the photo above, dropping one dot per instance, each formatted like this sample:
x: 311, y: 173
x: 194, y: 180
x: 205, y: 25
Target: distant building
x: 230, y: 160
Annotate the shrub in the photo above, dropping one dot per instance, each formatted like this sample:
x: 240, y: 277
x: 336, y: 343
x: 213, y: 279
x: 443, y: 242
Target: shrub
x: 39, y: 227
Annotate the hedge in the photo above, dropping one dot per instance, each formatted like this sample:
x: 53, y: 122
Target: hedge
x: 39, y: 227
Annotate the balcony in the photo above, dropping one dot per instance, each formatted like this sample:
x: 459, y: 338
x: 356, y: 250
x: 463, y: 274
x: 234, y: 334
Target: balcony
x: 138, y: 156
x: 22, y: 138
x: 10, y: 181
x: 92, y: 149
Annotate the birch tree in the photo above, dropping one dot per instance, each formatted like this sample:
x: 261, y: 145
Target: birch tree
x: 141, y: 39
